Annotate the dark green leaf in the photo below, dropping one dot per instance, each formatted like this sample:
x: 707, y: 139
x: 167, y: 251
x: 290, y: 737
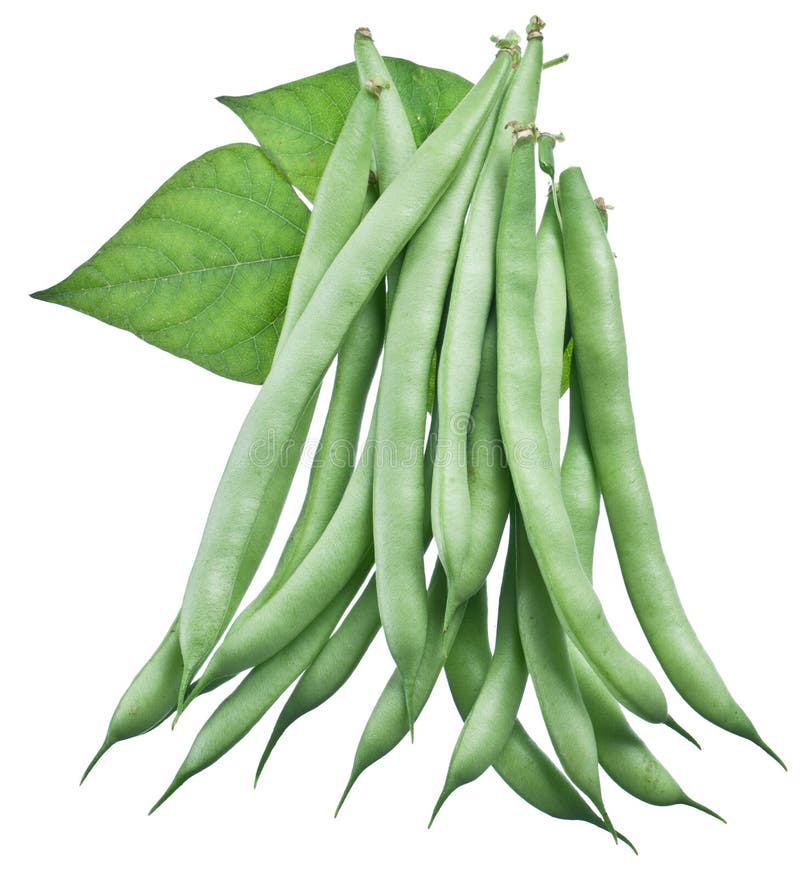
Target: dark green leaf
x: 298, y: 123
x: 203, y: 269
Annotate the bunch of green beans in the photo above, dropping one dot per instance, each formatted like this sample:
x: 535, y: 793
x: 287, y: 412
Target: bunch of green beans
x: 436, y: 257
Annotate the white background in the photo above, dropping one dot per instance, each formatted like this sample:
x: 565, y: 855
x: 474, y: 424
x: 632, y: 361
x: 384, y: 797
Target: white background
x: 684, y: 117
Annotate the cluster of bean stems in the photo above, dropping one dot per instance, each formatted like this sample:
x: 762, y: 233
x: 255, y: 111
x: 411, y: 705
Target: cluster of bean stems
x: 432, y: 255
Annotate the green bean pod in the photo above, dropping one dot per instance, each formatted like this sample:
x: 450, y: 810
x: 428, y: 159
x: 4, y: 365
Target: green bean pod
x: 470, y: 303
x: 401, y: 413
x: 389, y: 722
x: 265, y: 627
x: 246, y: 506
x: 521, y: 764
x: 331, y: 669
x: 259, y: 690
x: 491, y: 718
x: 340, y: 656
x: 623, y: 754
x: 547, y: 656
x: 488, y: 481
x: 596, y: 321
x: 535, y: 479
x: 549, y: 320
x: 393, y: 140
x: 149, y: 699
x: 333, y: 462
x: 581, y: 493
x: 152, y: 695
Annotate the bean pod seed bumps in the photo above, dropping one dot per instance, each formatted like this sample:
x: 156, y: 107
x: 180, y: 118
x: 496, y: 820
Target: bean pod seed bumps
x: 434, y: 267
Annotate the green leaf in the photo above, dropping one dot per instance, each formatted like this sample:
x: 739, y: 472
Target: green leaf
x: 203, y: 269
x: 298, y: 123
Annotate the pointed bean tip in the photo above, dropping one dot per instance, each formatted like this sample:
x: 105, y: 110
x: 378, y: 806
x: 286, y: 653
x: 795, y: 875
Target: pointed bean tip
x: 409, y: 693
x: 760, y: 742
x: 263, y: 761
x: 700, y: 807
x: 350, y: 782
x: 438, y: 806
x: 167, y: 793
x: 104, y: 748
x: 625, y: 840
x: 671, y: 723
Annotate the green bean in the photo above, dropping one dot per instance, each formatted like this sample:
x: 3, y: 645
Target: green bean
x: 390, y: 718
x: 333, y: 462
x: 149, y: 699
x: 549, y: 320
x: 622, y: 753
x: 547, y: 656
x: 488, y: 480
x: 389, y: 722
x: 393, y: 138
x: 597, y: 328
x: 152, y: 696
x: 401, y: 413
x: 337, y: 660
x: 521, y: 764
x: 331, y: 669
x: 491, y: 718
x: 581, y: 493
x: 266, y: 626
x: 245, y: 511
x: 536, y: 482
x: 470, y: 302
x: 259, y: 690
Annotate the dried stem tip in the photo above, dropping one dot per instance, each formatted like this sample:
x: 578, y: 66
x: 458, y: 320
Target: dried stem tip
x: 535, y: 27
x: 509, y: 43
x: 364, y: 32
x: 521, y: 130
x: 375, y: 87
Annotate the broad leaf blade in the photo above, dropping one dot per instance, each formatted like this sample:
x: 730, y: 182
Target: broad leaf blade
x: 203, y: 269
x: 298, y: 123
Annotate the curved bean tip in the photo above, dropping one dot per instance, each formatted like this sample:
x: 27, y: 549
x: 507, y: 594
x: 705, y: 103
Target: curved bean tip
x: 409, y: 693
x: 438, y: 806
x: 104, y: 748
x: 607, y: 822
x: 625, y: 840
x: 350, y: 782
x: 670, y: 723
x: 167, y: 793
x: 759, y: 741
x: 451, y: 608
x: 264, y: 756
x: 693, y: 804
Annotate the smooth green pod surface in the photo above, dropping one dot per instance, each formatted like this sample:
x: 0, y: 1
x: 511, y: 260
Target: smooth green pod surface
x: 596, y: 322
x: 535, y: 479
